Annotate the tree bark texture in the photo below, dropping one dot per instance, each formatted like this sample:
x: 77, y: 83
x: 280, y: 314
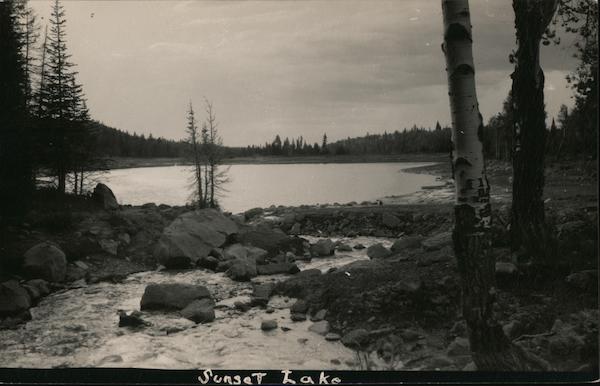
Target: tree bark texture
x: 490, y: 348
x: 528, y: 229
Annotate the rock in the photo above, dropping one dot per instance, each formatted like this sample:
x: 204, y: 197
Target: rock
x: 428, y: 258
x: 268, y: 325
x: 14, y: 299
x: 13, y: 322
x: 471, y: 366
x: 109, y: 246
x: 359, y: 246
x: 134, y: 319
x: 235, y: 251
x: 296, y: 229
x: 271, y: 240
x: 322, y: 247
x: 259, y: 255
x: 261, y: 294
x: 459, y: 329
x: 242, y: 270
x: 378, y: 251
x: 584, y: 280
x: 343, y: 248
x: 208, y: 262
x: 243, y: 307
x: 297, y: 317
x: 81, y: 264
x: 321, y: 328
x: 410, y: 335
x: 172, y: 296
x: 45, y: 261
x: 273, y: 269
x: 217, y: 253
x: 437, y: 241
x: 193, y: 235
x: 320, y: 315
x: 505, y: 268
x: 105, y: 197
x: 458, y: 347
x: 332, y: 336
x: 40, y: 284
x: 440, y: 362
x: 200, y: 311
x: 300, y: 307
x: 406, y: 242
x: 124, y: 238
x: 390, y: 221
x: 254, y: 212
x: 356, y: 338
x: 74, y: 273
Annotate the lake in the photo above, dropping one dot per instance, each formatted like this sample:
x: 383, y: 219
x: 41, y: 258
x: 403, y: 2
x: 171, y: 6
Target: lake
x: 263, y: 185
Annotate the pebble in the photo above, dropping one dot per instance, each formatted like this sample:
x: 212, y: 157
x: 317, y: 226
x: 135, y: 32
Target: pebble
x: 268, y: 325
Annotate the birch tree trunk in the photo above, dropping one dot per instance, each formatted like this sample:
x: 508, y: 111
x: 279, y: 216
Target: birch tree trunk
x: 490, y: 348
x: 528, y: 228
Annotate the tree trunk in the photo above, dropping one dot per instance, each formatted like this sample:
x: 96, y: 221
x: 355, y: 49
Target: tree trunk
x: 528, y: 229
x: 490, y: 348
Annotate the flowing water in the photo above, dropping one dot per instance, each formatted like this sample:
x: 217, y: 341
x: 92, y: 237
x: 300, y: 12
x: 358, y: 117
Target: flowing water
x: 264, y: 185
x: 78, y: 328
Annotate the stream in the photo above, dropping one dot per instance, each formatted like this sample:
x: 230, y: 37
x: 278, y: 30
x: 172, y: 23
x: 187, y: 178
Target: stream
x: 79, y: 327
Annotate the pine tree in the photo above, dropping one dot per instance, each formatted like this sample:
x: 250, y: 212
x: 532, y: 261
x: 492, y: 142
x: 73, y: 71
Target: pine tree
x: 62, y: 105
x: 15, y: 158
x: 195, y: 141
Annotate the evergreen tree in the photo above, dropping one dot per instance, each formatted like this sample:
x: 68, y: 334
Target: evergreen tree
x: 15, y: 161
x: 62, y: 105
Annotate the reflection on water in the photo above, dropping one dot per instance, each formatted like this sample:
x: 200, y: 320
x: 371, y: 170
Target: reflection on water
x: 272, y: 184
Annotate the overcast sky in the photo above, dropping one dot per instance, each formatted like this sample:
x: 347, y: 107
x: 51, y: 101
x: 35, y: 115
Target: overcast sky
x: 289, y: 68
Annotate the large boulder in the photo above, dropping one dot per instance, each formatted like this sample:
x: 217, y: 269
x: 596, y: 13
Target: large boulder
x: 14, y: 299
x: 45, y: 261
x: 200, y: 311
x: 273, y: 241
x: 172, y: 296
x: 104, y: 196
x: 192, y: 236
x: 324, y: 247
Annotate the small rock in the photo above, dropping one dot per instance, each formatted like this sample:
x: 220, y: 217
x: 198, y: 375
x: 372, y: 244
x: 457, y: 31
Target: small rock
x: 14, y: 299
x: 200, y: 311
x: 356, y: 338
x: 320, y: 315
x: 390, y: 221
x: 438, y: 241
x: 300, y: 307
x: 298, y: 317
x: 505, y: 268
x: 359, y: 246
x: 407, y: 242
x: 323, y: 248
x: 109, y: 246
x: 268, y: 325
x: 378, y: 251
x: 583, y: 280
x: 285, y: 329
x: 241, y: 306
x: 134, y: 319
x: 332, y: 336
x: 321, y: 328
x: 460, y: 346
x: 344, y: 248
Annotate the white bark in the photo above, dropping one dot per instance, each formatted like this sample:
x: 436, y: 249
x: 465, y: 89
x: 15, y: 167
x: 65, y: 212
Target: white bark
x: 472, y: 187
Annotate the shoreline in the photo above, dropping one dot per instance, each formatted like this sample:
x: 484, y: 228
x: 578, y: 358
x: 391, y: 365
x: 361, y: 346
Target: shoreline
x: 130, y: 163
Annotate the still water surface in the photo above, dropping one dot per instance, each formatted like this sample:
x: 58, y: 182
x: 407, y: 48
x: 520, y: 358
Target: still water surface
x: 264, y: 185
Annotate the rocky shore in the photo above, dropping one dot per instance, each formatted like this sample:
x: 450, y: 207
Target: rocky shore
x: 398, y: 308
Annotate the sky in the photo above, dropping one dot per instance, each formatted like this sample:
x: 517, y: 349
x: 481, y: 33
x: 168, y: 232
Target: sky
x: 292, y: 68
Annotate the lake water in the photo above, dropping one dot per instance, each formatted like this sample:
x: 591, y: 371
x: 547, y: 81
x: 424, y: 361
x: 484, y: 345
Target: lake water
x: 263, y: 185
